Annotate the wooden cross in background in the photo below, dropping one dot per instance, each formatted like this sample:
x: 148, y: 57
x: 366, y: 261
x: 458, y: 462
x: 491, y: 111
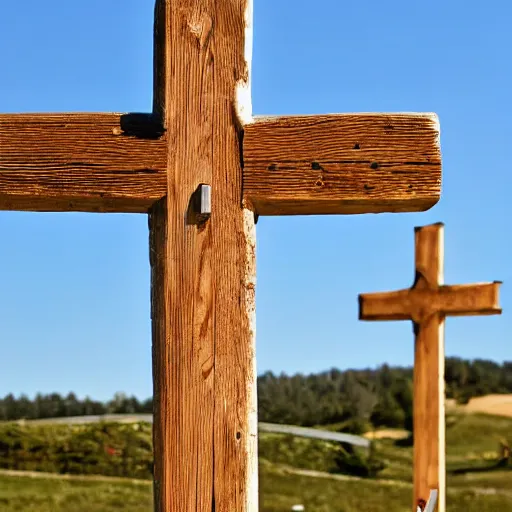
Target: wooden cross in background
x: 203, y: 169
x: 427, y: 303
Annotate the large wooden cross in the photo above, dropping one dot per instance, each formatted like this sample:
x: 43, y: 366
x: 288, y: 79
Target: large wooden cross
x: 204, y: 169
x: 427, y: 303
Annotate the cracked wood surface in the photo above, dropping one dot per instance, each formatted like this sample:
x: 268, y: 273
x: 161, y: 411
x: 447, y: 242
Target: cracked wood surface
x: 78, y: 162
x: 205, y: 423
x: 427, y: 303
x: 342, y: 163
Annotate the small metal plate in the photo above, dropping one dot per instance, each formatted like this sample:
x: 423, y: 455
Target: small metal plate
x: 201, y: 204
x: 431, y: 503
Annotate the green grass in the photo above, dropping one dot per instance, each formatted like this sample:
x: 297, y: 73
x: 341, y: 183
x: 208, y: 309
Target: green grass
x: 297, y: 451
x: 25, y: 494
x: 279, y: 491
x: 472, y: 443
x: 473, y: 435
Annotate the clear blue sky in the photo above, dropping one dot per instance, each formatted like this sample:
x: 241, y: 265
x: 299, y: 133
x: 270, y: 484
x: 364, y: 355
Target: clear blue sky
x: 74, y: 288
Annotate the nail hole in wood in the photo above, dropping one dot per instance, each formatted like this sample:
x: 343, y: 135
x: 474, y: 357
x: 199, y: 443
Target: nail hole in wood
x: 316, y: 166
x: 374, y: 165
x: 272, y: 167
x: 356, y: 146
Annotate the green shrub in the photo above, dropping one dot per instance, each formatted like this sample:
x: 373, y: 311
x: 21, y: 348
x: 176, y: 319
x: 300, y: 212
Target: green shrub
x: 327, y: 456
x: 104, y: 449
x: 355, y: 461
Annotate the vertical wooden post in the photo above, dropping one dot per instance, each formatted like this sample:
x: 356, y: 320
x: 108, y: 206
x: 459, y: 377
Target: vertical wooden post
x: 429, y: 387
x: 203, y: 272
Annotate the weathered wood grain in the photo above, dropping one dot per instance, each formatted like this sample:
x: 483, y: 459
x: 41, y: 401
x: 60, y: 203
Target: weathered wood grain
x: 419, y: 303
x: 205, y: 426
x: 78, y: 162
x: 292, y: 165
x: 427, y: 303
x: 429, y: 430
x: 342, y: 164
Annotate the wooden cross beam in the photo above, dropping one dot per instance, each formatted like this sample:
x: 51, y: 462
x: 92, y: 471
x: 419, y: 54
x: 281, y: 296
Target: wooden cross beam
x: 201, y: 138
x: 427, y: 303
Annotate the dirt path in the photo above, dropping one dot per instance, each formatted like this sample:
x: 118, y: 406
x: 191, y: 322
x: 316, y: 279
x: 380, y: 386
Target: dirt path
x: 344, y: 478
x: 279, y: 468
x: 393, y: 483
x: 83, y: 478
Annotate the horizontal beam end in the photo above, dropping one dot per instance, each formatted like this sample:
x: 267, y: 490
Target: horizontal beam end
x: 383, y: 306
x: 81, y: 162
x: 276, y: 205
x: 342, y: 164
x: 470, y: 299
x: 369, y: 317
x: 480, y: 312
x: 74, y: 204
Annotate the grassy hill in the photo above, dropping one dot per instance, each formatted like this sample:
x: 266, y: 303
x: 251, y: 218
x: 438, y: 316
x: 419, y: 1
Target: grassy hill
x: 498, y: 405
x: 280, y: 489
x: 292, y: 471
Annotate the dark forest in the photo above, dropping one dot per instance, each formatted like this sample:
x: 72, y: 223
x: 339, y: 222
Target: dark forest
x: 354, y: 399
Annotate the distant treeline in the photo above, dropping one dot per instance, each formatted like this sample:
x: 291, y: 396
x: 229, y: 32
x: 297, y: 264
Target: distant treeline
x: 55, y: 405
x: 354, y: 399
x: 360, y: 399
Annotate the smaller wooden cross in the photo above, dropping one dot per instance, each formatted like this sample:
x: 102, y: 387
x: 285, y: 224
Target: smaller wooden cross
x: 427, y: 303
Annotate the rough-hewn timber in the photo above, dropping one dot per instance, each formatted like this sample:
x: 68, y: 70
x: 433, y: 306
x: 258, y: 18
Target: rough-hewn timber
x: 80, y: 162
x: 335, y: 164
x: 342, y: 164
x: 205, y: 425
x: 427, y: 303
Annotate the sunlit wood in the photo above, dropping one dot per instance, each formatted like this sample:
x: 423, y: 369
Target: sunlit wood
x: 427, y: 303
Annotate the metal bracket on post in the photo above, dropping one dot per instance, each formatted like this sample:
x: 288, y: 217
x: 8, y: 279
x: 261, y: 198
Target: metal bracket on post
x: 200, y: 206
x: 430, y: 506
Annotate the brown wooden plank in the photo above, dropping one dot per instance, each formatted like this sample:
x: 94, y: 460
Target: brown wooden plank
x: 385, y: 306
x: 78, y: 162
x: 342, y: 164
x: 429, y: 412
x: 470, y: 299
x: 205, y: 428
x: 429, y: 387
x: 420, y: 302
